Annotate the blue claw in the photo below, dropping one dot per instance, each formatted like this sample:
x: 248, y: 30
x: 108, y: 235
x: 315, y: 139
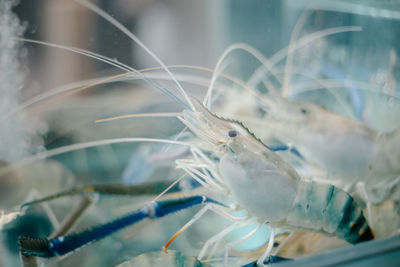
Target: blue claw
x: 61, y: 245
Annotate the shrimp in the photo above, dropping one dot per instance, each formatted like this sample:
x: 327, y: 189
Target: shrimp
x: 344, y: 151
x: 246, y: 164
x: 347, y: 150
x: 257, y: 179
x: 337, y: 150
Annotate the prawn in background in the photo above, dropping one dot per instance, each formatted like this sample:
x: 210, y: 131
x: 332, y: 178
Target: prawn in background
x: 339, y: 144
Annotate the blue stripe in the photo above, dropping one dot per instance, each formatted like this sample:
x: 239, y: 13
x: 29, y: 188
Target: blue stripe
x: 166, y: 207
x: 285, y: 148
x: 344, y: 225
x: 329, y: 195
x: 64, y: 244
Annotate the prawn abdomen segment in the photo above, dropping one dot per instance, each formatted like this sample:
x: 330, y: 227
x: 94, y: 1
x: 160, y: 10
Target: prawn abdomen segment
x: 324, y: 208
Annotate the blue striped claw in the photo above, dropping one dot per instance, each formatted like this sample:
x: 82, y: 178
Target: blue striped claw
x: 61, y: 245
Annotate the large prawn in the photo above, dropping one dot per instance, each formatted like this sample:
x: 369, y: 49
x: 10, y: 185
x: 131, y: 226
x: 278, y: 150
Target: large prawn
x: 347, y: 151
x: 260, y: 183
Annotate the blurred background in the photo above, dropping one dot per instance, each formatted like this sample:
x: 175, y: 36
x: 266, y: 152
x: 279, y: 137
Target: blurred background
x: 193, y: 32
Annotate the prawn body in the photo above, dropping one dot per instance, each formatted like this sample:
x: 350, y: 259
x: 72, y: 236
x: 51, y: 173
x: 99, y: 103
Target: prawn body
x: 270, y: 189
x: 256, y: 183
x: 340, y: 145
x: 348, y: 151
x: 387, y: 153
x: 285, y: 200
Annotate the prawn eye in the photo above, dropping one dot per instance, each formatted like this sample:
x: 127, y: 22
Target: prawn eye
x: 303, y: 111
x: 232, y: 133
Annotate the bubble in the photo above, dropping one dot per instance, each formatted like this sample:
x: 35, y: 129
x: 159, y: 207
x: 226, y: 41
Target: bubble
x: 15, y: 132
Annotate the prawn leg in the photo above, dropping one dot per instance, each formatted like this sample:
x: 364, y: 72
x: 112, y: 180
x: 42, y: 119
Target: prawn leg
x: 151, y: 188
x: 268, y: 251
x: 73, y: 217
x: 61, y: 245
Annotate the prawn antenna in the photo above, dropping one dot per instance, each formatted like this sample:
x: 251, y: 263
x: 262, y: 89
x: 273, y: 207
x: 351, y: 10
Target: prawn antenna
x: 142, y: 115
x: 133, y: 37
x: 61, y: 245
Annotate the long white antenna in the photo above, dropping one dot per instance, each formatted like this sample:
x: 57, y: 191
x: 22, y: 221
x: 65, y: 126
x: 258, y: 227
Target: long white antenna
x: 122, y: 28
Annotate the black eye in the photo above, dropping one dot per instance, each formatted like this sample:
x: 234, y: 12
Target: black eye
x: 232, y: 133
x: 303, y: 111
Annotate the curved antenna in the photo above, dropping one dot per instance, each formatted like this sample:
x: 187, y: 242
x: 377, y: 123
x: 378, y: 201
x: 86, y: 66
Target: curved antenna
x: 202, y: 68
x: 328, y: 87
x: 332, y: 83
x: 81, y: 51
x: 112, y: 62
x: 288, y: 67
x: 269, y: 64
x: 141, y: 115
x: 75, y: 87
x: 74, y: 147
x: 84, y: 84
x: 123, y: 29
x: 238, y: 46
x: 284, y: 52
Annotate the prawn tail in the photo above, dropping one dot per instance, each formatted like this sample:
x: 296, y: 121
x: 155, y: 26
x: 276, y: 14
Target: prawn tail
x: 326, y: 209
x: 353, y: 226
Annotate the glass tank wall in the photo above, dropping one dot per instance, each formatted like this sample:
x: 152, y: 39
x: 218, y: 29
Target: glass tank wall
x: 98, y: 93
